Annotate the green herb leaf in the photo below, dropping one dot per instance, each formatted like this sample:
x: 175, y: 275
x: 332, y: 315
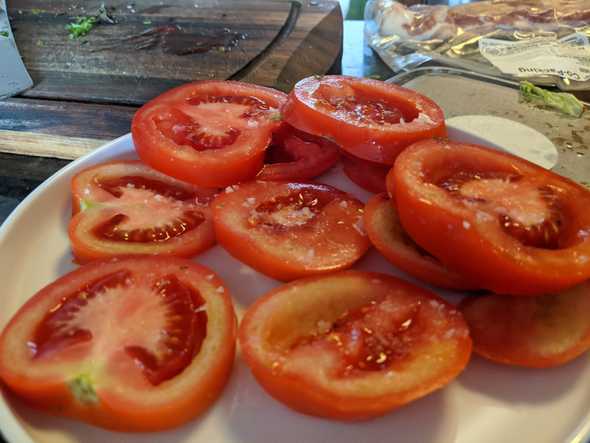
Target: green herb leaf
x: 560, y: 101
x: 81, y: 26
x: 4, y: 34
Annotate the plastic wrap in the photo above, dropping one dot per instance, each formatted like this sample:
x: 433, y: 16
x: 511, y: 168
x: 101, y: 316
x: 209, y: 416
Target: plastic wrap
x: 546, y: 42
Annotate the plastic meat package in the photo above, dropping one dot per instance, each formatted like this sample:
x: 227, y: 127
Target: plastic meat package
x: 545, y: 41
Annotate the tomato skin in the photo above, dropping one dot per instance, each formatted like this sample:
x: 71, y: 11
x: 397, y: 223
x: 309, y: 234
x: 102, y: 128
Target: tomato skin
x: 309, y: 156
x: 387, y: 235
x: 266, y: 324
x: 120, y: 407
x: 209, y: 168
x: 368, y: 175
x: 287, y: 253
x: 496, y: 260
x: 532, y: 332
x: 99, y: 206
x: 372, y: 142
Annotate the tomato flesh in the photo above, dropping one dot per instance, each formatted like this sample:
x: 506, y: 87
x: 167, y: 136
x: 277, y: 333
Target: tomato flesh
x: 508, y: 224
x: 128, y: 208
x: 370, y: 119
x: 387, y: 235
x: 294, y: 155
x: 135, y: 344
x: 289, y: 230
x: 368, y: 175
x: 353, y: 345
x: 209, y: 133
x: 538, y: 332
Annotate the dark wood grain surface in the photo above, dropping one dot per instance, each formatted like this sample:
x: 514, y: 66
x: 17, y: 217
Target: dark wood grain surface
x: 156, y: 45
x: 74, y: 128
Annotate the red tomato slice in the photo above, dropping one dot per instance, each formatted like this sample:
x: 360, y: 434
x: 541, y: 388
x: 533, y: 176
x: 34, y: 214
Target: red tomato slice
x: 290, y: 230
x: 129, y: 208
x: 370, y: 119
x: 210, y: 133
x: 390, y: 239
x: 508, y: 224
x: 294, y: 155
x: 137, y: 344
x: 352, y: 345
x: 536, y: 332
x: 368, y: 175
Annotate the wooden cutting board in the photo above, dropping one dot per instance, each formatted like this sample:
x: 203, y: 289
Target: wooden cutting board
x: 155, y: 45
x: 86, y: 90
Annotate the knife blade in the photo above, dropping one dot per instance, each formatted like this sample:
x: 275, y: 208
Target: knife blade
x: 14, y: 77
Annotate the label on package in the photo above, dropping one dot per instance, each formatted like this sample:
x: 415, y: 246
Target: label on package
x: 568, y: 58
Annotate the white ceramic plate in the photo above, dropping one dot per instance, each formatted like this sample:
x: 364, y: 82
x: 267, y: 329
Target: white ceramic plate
x: 488, y: 403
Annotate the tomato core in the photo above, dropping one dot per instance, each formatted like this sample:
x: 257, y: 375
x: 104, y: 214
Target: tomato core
x: 375, y: 337
x: 116, y: 187
x: 180, y: 123
x: 347, y: 105
x: 287, y: 211
x: 112, y: 229
x: 526, y: 211
x: 174, y: 316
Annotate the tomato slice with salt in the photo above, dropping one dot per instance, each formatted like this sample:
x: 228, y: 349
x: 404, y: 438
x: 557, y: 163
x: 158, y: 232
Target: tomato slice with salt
x: 294, y: 155
x: 508, y: 224
x: 290, y: 230
x: 125, y: 207
x: 352, y: 345
x: 137, y: 344
x: 537, y: 332
x: 209, y: 133
x: 370, y: 119
x: 390, y: 239
x: 368, y: 175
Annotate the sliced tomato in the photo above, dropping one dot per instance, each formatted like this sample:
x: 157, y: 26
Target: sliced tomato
x: 290, y: 230
x: 368, y: 118
x: 537, y: 332
x: 352, y: 345
x: 210, y: 133
x: 368, y: 175
x: 136, y: 344
x: 126, y: 207
x: 294, y: 155
x: 390, y: 239
x: 508, y: 224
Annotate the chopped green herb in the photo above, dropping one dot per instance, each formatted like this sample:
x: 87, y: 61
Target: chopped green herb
x: 36, y: 11
x: 560, y: 101
x: 147, y: 22
x: 4, y: 34
x: 81, y: 26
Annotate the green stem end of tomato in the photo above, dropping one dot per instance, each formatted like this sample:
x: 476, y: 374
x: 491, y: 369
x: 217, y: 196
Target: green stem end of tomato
x: 83, y: 390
